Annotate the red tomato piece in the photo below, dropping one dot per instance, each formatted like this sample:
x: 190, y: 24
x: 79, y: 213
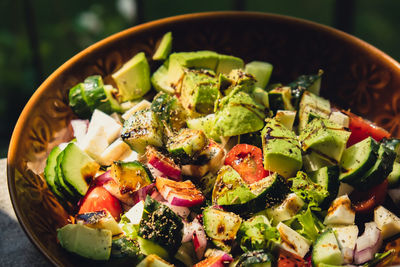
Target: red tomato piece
x: 97, y: 199
x: 362, y: 128
x: 247, y: 161
x: 365, y: 202
x: 287, y: 259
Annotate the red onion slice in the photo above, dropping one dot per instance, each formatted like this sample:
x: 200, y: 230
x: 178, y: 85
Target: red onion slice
x: 163, y: 164
x: 368, y: 243
x: 183, y: 212
x: 102, y: 179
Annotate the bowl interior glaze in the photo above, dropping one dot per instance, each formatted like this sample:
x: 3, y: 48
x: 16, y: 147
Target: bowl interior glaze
x: 356, y: 76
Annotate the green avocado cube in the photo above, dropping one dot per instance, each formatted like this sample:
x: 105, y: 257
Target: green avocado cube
x: 133, y: 78
x: 281, y: 149
x: 230, y: 189
x: 179, y: 62
x: 142, y: 129
x: 228, y: 63
x: 199, y: 91
x: 164, y: 48
x: 85, y: 241
x: 325, y: 138
x: 239, y: 114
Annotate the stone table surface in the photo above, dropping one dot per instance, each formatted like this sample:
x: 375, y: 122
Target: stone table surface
x: 15, y: 247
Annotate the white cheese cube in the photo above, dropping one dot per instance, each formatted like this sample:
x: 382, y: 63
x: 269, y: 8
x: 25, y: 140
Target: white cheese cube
x: 387, y: 222
x: 293, y: 241
x: 340, y: 212
x: 80, y: 128
x: 346, y: 237
x: 135, y: 213
x: 112, y: 127
x: 95, y: 142
x: 116, y: 151
x: 286, y: 210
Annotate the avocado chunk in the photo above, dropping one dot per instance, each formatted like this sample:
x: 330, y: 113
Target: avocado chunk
x: 199, y: 91
x: 133, y: 78
x: 227, y: 63
x: 204, y: 124
x: 281, y: 149
x: 230, y: 189
x: 164, y: 48
x: 234, y: 194
x: 180, y: 62
x: 261, y: 71
x: 311, y: 103
x: 160, y: 81
x: 169, y: 111
x: 169, y: 76
x: 141, y: 129
x: 303, y: 83
x: 280, y: 98
x: 221, y: 226
x: 131, y: 176
x: 239, y: 114
x: 325, y: 138
x: 85, y: 241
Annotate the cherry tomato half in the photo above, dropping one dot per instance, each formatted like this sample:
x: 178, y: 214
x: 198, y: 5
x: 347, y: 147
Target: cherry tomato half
x: 247, y: 161
x: 362, y: 128
x: 365, y: 202
x: 98, y: 198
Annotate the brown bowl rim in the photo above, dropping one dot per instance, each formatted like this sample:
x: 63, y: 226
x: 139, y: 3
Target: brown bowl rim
x: 15, y: 138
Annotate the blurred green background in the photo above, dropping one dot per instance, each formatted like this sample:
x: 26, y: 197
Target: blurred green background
x: 36, y: 37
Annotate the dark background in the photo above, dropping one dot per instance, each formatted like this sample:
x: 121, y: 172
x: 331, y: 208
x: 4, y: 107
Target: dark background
x: 37, y: 36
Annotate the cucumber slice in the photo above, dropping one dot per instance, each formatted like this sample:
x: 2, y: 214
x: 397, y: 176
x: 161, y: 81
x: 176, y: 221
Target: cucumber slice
x: 357, y: 159
x: 379, y: 171
x: 68, y: 193
x: 164, y: 48
x: 328, y: 178
x: 94, y: 94
x: 261, y: 71
x: 394, y: 176
x: 326, y: 250
x: 77, y: 102
x: 50, y: 172
x: 77, y: 169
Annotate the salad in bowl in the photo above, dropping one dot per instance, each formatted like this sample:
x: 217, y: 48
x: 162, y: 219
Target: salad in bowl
x: 204, y: 162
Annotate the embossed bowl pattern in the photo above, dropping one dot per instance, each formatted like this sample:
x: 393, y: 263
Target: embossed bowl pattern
x: 356, y: 76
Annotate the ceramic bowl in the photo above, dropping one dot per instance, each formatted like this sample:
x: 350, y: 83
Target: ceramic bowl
x: 356, y: 76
